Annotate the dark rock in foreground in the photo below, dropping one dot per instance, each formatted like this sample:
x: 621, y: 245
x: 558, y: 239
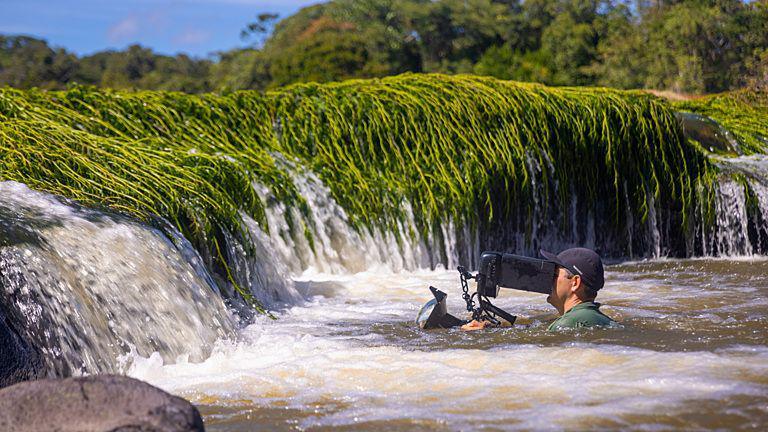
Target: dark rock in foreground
x: 96, y: 403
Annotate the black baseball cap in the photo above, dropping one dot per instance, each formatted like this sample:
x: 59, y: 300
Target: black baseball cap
x: 580, y: 261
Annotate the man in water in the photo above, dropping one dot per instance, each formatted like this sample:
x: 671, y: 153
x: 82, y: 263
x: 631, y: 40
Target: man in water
x: 579, y: 277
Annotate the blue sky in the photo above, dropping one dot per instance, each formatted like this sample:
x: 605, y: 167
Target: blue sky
x: 196, y: 27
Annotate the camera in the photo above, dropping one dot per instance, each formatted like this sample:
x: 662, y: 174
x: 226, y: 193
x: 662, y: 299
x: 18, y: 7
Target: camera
x: 522, y: 273
x: 497, y: 270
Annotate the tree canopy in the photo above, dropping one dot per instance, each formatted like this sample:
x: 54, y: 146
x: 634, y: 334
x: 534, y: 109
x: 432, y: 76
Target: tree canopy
x: 691, y: 46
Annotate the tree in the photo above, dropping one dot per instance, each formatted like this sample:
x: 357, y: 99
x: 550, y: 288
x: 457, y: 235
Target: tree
x: 570, y: 47
x: 505, y: 63
x: 453, y: 34
x: 684, y: 45
x: 30, y: 62
x: 260, y: 28
x: 240, y: 70
x: 328, y: 50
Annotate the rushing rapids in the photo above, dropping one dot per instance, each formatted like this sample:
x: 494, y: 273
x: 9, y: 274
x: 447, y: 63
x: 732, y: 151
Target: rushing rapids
x: 320, y: 203
x: 88, y: 287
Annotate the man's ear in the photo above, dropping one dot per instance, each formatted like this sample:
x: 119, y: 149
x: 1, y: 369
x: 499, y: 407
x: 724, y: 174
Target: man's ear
x: 576, y: 283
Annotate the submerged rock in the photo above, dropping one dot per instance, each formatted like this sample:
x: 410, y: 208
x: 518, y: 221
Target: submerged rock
x: 709, y: 133
x: 95, y: 403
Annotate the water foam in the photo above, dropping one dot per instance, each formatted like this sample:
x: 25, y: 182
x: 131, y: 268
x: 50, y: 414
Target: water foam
x: 88, y: 286
x: 353, y: 350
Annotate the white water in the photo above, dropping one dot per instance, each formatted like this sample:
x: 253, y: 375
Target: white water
x: 89, y: 286
x: 352, y: 355
x: 729, y: 236
x: 344, y: 350
x: 340, y: 249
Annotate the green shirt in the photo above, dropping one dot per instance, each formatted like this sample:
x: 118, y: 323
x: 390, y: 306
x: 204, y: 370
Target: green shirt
x: 585, y: 314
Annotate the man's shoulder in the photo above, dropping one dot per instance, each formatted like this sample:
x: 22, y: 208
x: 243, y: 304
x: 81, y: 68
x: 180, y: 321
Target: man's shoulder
x: 584, y: 315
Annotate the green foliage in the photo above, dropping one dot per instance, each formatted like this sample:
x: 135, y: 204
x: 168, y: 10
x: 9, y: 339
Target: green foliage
x: 688, y: 46
x: 756, y: 76
x: 570, y: 48
x: 27, y: 62
x: 502, y: 62
x: 327, y: 50
x: 139, y: 68
x: 240, y: 69
x: 336, y: 40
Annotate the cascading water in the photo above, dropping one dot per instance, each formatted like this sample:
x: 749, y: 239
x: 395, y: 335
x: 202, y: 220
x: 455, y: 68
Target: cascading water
x: 337, y: 247
x: 348, y: 356
x: 740, y: 223
x: 88, y: 286
x: 80, y: 268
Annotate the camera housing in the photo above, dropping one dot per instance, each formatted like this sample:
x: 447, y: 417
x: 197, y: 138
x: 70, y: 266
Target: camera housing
x: 522, y: 273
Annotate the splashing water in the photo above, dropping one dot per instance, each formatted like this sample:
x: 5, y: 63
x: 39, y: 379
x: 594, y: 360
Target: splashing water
x: 351, y: 358
x: 89, y: 286
x: 344, y: 352
x: 739, y: 230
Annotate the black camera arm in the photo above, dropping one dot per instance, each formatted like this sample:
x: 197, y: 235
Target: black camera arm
x: 486, y: 311
x: 502, y: 270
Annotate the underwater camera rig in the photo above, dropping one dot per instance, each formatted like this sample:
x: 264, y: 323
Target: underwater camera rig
x: 496, y: 271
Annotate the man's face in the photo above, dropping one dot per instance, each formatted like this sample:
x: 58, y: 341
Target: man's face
x: 561, y: 290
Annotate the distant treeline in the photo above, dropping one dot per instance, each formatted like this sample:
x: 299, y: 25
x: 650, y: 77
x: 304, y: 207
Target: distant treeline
x: 691, y: 46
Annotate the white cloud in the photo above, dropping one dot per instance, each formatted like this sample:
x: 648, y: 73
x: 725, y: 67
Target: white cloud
x: 138, y: 24
x: 192, y: 37
x: 126, y: 28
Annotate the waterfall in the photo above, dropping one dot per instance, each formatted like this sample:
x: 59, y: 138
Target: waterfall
x: 740, y: 225
x: 337, y: 247
x: 730, y: 236
x: 89, y: 286
x: 77, y: 279
x: 332, y: 244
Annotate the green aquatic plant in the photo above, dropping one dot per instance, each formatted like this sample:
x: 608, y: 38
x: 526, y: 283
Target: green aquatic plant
x: 100, y: 149
x: 461, y: 146
x: 473, y: 149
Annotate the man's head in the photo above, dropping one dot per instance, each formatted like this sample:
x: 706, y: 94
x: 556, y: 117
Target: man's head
x: 580, y: 275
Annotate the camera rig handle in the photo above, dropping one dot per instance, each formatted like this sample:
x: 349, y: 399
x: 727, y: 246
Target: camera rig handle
x: 502, y: 270
x: 486, y: 311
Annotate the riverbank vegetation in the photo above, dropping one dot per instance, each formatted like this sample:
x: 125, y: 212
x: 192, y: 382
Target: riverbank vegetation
x: 689, y: 46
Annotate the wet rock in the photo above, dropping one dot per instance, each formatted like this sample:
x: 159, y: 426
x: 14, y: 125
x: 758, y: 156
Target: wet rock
x: 709, y: 133
x: 96, y: 403
x: 19, y: 361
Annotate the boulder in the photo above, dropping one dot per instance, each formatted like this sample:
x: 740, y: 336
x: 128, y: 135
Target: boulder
x: 95, y: 403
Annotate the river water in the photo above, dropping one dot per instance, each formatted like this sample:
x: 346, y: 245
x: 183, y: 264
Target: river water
x: 692, y: 353
x: 105, y: 293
